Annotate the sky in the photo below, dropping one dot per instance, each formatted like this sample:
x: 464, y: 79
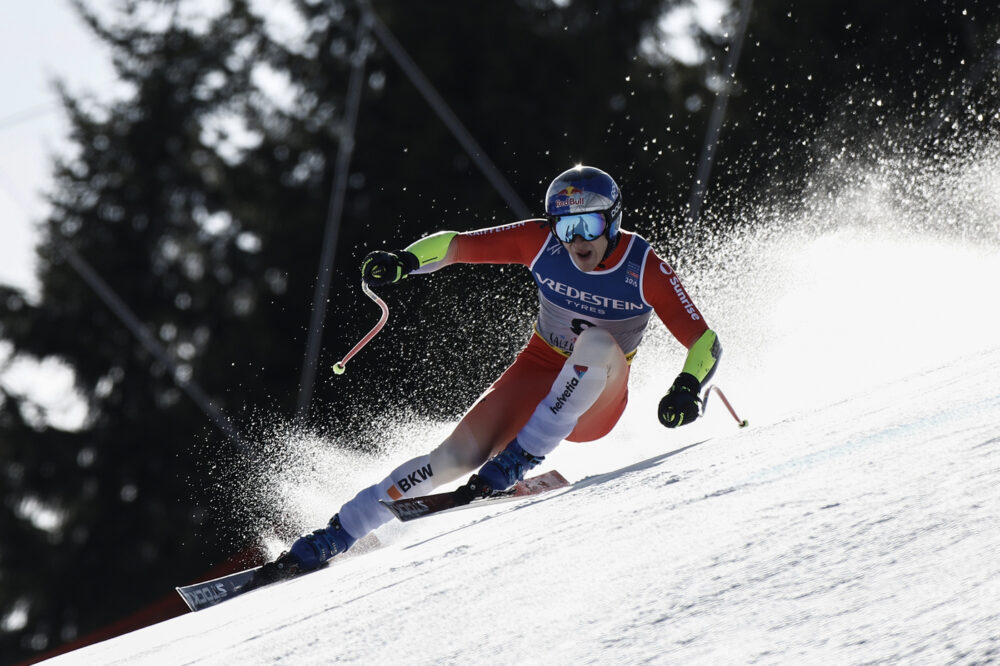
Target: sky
x: 39, y: 41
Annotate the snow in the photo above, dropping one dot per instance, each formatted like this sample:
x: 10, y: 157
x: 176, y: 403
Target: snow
x: 854, y: 521
x: 861, y: 532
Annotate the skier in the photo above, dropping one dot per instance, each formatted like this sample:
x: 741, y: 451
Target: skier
x: 598, y: 286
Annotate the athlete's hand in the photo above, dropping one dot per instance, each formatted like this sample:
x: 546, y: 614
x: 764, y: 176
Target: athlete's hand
x: 381, y: 268
x: 681, y: 405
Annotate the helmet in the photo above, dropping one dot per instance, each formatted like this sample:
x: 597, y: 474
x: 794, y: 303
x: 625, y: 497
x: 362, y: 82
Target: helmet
x: 579, y: 190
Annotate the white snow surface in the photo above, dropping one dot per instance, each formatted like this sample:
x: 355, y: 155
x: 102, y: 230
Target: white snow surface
x: 855, y: 520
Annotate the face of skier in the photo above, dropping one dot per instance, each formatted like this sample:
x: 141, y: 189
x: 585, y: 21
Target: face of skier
x: 586, y: 254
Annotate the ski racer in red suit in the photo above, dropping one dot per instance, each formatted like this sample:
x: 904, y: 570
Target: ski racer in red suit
x: 598, y: 287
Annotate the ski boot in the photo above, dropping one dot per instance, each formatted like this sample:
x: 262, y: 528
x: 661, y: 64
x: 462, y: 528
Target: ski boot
x: 308, y: 553
x: 498, y: 474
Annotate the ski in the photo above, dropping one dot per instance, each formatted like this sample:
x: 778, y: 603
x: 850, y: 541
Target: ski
x: 209, y: 593
x: 212, y: 592
x: 215, y: 591
x: 412, y: 508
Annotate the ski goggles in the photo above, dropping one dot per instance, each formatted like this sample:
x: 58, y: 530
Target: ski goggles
x: 587, y: 226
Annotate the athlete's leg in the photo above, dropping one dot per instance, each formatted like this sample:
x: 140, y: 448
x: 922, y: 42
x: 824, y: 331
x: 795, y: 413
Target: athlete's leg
x: 490, y: 424
x: 585, y: 401
x: 589, y: 391
x: 503, y: 411
x: 603, y: 415
x: 499, y: 413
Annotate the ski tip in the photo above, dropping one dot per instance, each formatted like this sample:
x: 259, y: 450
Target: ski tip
x: 187, y: 602
x: 190, y: 601
x: 211, y: 592
x: 559, y: 478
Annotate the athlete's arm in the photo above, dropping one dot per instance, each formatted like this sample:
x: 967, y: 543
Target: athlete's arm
x: 663, y: 290
x: 516, y: 243
x: 433, y: 252
x: 703, y: 356
x: 423, y: 256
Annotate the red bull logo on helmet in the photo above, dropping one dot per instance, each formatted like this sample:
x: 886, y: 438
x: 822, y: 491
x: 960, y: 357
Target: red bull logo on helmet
x: 569, y: 196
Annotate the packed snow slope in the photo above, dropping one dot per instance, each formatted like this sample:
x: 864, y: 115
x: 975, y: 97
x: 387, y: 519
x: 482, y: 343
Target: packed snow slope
x: 854, y: 521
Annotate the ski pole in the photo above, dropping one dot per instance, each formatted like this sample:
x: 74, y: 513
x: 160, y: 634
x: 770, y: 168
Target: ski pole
x: 708, y: 392
x: 338, y: 367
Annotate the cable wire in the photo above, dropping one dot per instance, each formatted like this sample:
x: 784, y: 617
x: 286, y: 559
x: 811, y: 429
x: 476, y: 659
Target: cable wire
x: 700, y: 185
x: 345, y: 150
x: 448, y: 117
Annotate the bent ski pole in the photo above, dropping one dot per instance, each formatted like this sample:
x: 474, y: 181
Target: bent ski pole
x: 338, y: 367
x: 708, y: 392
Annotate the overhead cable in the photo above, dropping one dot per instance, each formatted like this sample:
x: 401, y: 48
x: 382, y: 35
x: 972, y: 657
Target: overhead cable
x: 444, y: 112
x: 345, y: 150
x: 147, y: 339
x: 700, y: 185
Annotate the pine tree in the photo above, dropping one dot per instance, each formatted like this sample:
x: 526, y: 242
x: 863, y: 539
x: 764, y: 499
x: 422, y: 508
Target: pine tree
x: 144, y: 203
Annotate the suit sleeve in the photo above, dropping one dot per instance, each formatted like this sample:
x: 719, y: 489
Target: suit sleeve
x: 663, y: 290
x: 516, y: 243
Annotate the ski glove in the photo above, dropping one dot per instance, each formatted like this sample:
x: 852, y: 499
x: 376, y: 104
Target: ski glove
x: 380, y: 268
x: 681, y: 404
